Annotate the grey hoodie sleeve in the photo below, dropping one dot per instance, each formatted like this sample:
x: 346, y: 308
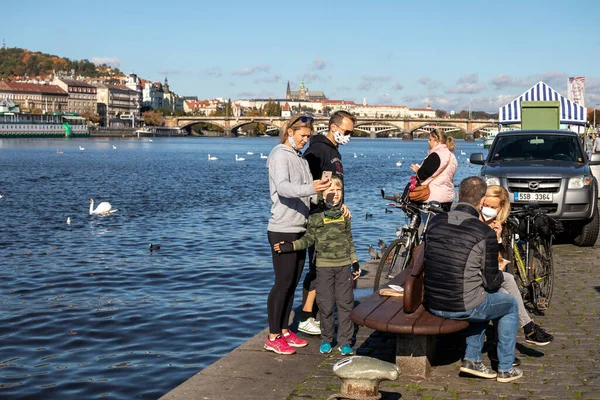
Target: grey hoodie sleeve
x: 283, y: 177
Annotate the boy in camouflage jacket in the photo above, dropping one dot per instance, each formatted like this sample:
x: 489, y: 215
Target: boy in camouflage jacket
x: 331, y: 234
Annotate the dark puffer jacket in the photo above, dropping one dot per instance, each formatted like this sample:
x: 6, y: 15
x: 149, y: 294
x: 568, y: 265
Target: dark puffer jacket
x: 461, y: 260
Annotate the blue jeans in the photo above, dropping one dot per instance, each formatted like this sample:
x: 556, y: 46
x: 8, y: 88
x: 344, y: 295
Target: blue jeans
x: 500, y: 307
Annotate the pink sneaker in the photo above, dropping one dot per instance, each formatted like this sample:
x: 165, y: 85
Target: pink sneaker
x: 293, y: 340
x: 278, y: 345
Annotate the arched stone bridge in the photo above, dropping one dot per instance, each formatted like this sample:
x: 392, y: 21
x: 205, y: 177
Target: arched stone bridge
x: 406, y: 127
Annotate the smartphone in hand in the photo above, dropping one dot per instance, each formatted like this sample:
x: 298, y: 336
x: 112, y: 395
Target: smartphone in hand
x: 326, y: 176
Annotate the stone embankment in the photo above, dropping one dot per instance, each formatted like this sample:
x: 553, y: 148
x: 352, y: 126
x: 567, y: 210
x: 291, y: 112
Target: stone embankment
x: 568, y: 368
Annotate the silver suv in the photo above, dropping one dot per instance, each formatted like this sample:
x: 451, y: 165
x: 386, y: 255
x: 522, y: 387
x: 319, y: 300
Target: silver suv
x: 549, y: 168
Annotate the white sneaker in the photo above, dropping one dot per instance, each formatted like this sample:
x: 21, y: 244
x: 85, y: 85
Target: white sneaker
x: 309, y: 327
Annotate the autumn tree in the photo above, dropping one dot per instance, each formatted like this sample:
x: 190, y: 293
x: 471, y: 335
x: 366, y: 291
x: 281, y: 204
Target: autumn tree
x: 154, y: 118
x: 90, y: 116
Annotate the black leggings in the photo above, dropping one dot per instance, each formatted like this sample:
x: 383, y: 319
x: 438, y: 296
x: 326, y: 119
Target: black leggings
x: 288, y: 269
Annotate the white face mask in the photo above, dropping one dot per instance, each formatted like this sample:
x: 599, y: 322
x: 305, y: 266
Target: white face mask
x: 488, y: 213
x: 291, y: 140
x: 341, y: 139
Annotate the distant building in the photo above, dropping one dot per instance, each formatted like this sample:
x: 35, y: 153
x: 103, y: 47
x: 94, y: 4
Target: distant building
x: 422, y: 112
x: 82, y: 95
x: 117, y: 105
x: 152, y: 94
x: 202, y: 107
x: 135, y: 83
x: 286, y: 110
x: 303, y: 94
x: 31, y: 96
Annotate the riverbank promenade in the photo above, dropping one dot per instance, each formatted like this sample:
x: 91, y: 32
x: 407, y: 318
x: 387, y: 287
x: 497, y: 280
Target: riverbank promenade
x: 568, y: 368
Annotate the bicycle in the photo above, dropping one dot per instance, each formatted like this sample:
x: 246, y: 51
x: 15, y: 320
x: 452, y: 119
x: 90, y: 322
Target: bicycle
x: 530, y: 250
x: 398, y: 254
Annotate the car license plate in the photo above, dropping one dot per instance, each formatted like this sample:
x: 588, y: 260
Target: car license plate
x: 533, y: 197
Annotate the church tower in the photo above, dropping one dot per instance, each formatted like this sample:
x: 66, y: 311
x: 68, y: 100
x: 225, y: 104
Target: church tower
x: 302, y: 92
x: 166, y: 85
x: 288, y: 92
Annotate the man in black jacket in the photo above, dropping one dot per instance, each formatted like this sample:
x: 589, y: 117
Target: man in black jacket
x: 323, y: 155
x: 462, y: 279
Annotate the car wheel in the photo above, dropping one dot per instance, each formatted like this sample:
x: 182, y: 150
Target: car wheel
x: 588, y: 233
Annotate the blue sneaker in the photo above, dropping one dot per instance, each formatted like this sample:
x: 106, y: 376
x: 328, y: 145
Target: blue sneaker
x: 325, y: 348
x: 346, y: 350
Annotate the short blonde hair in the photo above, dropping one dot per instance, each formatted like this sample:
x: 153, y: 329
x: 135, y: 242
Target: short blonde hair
x: 502, y: 194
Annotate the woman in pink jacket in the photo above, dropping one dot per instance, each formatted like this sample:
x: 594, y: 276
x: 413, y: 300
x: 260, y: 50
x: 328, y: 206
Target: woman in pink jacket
x: 438, y: 169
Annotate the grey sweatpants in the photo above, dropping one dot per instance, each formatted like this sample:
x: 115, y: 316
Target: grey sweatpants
x: 335, y: 286
x: 510, y: 286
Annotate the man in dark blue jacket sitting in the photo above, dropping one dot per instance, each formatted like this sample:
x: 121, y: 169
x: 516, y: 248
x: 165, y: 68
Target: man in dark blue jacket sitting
x: 462, y: 279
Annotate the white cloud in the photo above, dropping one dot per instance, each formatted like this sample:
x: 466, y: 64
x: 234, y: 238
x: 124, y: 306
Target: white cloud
x: 558, y: 80
x: 469, y: 78
x: 214, y: 71
x: 112, y: 61
x: 269, y: 79
x: 379, y: 78
x: 424, y: 80
x: 252, y: 70
x: 467, y: 88
x: 365, y: 86
x: 434, y: 85
x: 319, y: 64
x: 385, y: 98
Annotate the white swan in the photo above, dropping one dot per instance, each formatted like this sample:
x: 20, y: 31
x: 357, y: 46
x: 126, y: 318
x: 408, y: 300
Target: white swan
x: 398, y: 163
x: 103, y: 208
x: 59, y: 152
x: 212, y: 158
x: 250, y: 153
x: 355, y: 156
x: 68, y: 220
x: 239, y: 158
x: 263, y: 156
x: 114, y: 147
x: 463, y: 153
x: 81, y: 148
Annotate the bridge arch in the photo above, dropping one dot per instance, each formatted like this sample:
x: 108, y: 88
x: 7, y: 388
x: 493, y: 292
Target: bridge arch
x: 428, y: 127
x: 477, y: 132
x: 183, y: 124
x: 377, y: 128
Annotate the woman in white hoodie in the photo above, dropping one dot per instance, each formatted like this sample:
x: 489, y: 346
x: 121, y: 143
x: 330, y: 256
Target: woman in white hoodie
x: 291, y: 188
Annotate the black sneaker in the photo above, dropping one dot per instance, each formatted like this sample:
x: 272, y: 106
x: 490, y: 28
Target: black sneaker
x: 493, y: 356
x: 477, y: 369
x: 538, y: 336
x: 509, y: 376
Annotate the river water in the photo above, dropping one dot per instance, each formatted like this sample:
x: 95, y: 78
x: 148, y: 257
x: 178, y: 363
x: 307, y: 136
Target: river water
x: 87, y: 311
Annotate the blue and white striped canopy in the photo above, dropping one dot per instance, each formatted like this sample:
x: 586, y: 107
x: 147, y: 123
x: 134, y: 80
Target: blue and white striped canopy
x: 570, y: 112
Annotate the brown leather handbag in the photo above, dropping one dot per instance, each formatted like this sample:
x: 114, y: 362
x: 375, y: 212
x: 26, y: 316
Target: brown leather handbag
x: 421, y: 193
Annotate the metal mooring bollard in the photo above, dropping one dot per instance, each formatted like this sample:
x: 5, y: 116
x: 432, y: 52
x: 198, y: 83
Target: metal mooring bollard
x: 361, y: 376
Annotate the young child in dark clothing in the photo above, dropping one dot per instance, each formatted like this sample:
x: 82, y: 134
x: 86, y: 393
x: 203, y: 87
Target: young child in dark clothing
x: 331, y: 234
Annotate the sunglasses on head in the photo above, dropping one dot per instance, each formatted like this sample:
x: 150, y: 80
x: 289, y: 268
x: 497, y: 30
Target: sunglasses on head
x: 304, y: 119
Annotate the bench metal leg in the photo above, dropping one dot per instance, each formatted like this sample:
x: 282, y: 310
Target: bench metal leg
x: 414, y: 354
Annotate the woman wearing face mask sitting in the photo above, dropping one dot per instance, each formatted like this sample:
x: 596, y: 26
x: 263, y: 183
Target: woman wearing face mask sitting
x: 495, y: 211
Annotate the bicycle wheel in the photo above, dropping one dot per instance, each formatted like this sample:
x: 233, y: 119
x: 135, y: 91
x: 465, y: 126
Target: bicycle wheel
x: 393, y: 261
x: 542, y: 274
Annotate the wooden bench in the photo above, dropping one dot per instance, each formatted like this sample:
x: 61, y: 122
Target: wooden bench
x: 415, y: 327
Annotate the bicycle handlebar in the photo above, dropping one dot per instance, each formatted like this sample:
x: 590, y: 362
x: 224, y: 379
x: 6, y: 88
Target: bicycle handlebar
x: 432, y: 206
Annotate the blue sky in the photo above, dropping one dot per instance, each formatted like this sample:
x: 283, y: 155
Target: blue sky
x: 444, y: 53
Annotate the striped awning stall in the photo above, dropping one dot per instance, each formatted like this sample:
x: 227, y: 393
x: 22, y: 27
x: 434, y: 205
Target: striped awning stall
x: 570, y: 113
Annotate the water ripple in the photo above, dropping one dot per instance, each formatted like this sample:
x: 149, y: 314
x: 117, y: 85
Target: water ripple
x: 87, y: 311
